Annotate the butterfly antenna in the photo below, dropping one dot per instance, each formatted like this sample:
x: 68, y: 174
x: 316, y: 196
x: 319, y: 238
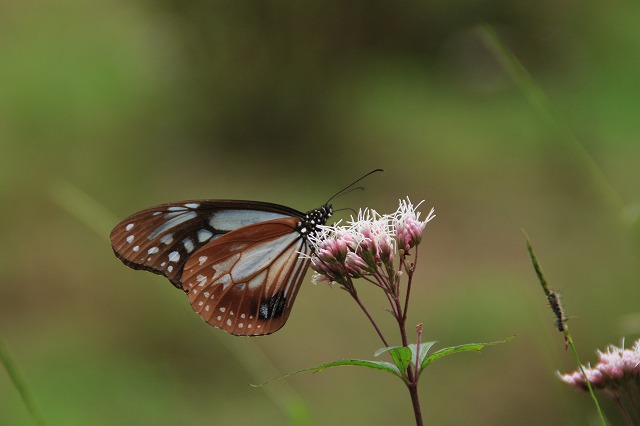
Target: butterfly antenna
x: 349, y: 188
x: 346, y: 208
x: 348, y: 191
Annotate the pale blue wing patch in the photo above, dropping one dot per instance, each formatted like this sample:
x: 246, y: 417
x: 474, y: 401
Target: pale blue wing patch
x: 228, y: 220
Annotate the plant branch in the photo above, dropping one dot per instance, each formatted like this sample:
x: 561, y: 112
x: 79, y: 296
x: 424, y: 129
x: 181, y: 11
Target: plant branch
x: 354, y: 294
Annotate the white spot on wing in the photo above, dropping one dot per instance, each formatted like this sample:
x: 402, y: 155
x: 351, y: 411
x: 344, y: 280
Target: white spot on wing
x: 204, y: 235
x: 167, y: 239
x: 129, y: 227
x: 201, y: 280
x: 136, y: 248
x: 192, y: 205
x: 130, y: 239
x: 153, y: 250
x: 174, y: 256
x: 169, y: 268
x: 175, y: 208
x: 202, y: 259
x: 188, y: 244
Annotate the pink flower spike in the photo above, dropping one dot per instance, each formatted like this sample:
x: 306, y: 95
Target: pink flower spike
x: 375, y: 242
x: 408, y: 227
x: 330, y: 246
x: 575, y: 379
x: 616, y: 369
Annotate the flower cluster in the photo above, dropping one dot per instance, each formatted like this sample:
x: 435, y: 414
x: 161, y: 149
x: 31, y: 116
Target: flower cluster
x: 616, y: 368
x: 367, y: 244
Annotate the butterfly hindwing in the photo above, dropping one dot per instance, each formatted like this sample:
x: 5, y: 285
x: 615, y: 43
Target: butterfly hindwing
x: 161, y: 239
x: 246, y: 281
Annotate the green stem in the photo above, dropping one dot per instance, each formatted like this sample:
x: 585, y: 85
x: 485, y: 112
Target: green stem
x: 586, y: 379
x: 19, y: 383
x: 540, y: 102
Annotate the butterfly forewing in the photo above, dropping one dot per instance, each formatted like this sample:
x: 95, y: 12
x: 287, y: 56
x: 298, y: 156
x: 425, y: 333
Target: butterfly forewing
x: 160, y: 239
x: 246, y: 281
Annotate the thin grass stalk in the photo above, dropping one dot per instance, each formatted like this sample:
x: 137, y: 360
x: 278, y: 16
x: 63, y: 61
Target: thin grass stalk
x: 20, y: 383
x: 586, y: 379
x: 568, y: 339
x: 540, y: 102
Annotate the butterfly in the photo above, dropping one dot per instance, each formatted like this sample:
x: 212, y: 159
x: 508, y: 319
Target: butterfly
x: 241, y: 263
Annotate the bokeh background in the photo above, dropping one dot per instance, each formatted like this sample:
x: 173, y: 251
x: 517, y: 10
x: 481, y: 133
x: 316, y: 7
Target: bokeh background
x: 110, y: 107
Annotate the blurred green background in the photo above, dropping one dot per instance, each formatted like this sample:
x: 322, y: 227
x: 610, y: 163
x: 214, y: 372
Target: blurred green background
x: 110, y: 107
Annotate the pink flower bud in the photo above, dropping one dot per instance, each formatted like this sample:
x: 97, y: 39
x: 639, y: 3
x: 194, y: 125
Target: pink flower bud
x: 356, y: 266
x: 407, y: 226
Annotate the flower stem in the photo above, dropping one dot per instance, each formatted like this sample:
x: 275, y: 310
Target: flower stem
x: 354, y: 294
x: 412, y: 371
x: 417, y: 411
x: 409, y: 280
x: 625, y: 413
x: 412, y: 380
x: 634, y: 404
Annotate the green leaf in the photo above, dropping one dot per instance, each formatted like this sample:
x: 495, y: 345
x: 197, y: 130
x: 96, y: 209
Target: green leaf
x: 383, y: 350
x: 461, y: 348
x: 401, y: 357
x: 377, y: 365
x: 424, y: 350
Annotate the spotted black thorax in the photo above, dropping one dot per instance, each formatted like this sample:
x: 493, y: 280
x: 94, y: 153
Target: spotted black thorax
x: 308, y: 226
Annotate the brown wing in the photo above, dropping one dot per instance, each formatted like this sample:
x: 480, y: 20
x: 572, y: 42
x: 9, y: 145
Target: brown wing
x: 161, y: 239
x: 246, y: 281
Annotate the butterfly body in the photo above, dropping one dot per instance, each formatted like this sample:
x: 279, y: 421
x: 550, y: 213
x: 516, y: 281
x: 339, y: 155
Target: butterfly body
x: 241, y: 263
